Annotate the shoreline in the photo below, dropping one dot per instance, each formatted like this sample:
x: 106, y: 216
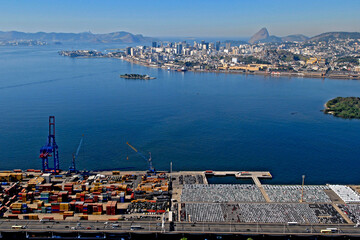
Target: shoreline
x: 327, y: 108
x: 271, y: 74
x: 263, y: 73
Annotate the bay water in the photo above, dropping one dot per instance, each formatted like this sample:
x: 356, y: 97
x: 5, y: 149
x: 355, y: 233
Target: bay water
x: 198, y: 121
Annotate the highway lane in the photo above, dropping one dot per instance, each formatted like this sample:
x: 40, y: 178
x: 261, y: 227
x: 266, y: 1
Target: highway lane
x: 144, y: 226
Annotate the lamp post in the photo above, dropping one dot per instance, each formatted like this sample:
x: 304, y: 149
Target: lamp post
x: 302, y: 188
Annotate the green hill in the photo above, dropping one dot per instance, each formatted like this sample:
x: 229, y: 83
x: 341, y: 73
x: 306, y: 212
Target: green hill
x: 344, y: 107
x: 325, y: 37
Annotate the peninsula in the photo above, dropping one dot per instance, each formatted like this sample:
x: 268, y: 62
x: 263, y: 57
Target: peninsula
x: 344, y: 107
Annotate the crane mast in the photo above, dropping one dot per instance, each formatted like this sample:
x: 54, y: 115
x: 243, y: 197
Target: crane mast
x: 50, y: 150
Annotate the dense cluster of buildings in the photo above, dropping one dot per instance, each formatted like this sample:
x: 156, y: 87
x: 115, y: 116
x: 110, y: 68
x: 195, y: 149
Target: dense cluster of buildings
x: 335, y: 57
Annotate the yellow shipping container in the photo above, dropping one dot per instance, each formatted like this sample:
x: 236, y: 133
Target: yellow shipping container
x: 64, y: 207
x: 33, y: 217
x: 83, y: 217
x: 69, y: 213
x: 40, y: 203
x: 15, y: 205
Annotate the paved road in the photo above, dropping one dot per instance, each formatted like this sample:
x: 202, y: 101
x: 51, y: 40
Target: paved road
x: 144, y: 226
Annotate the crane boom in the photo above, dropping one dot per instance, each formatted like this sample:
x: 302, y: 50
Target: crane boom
x: 72, y: 167
x: 132, y: 147
x: 78, y: 149
x: 151, y: 168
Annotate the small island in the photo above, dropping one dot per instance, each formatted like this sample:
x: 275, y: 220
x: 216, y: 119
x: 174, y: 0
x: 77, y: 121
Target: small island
x: 344, y: 107
x: 136, y: 76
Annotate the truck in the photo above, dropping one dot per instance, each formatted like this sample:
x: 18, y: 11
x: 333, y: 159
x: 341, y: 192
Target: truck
x: 135, y: 227
x: 18, y: 227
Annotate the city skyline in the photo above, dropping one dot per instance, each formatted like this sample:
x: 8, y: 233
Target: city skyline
x: 185, y: 19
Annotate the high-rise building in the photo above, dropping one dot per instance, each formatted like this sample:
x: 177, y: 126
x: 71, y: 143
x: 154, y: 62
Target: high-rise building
x: 154, y: 44
x: 228, y: 45
x: 217, y: 46
x: 178, y: 48
x: 128, y: 51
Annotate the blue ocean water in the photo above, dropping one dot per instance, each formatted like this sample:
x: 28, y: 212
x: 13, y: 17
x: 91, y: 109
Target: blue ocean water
x: 198, y: 121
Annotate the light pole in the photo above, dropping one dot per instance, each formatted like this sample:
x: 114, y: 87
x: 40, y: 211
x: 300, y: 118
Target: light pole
x: 284, y: 227
x: 302, y: 188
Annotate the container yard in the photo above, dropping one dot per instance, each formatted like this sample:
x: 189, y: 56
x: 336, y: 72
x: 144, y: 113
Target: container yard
x: 95, y: 196
x: 115, y: 195
x: 169, y: 201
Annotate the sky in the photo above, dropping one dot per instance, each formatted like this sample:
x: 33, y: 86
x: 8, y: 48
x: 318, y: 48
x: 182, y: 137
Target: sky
x: 181, y: 18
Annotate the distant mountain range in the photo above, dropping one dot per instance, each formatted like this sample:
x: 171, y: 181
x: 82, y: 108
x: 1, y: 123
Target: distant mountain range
x: 325, y: 37
x: 263, y: 36
x: 115, y: 37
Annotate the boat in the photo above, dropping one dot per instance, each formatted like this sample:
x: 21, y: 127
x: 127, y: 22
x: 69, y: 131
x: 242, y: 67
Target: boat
x: 183, y: 69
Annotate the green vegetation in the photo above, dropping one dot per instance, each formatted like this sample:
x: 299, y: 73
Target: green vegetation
x: 349, y: 59
x: 287, y: 56
x: 251, y: 59
x: 283, y: 68
x: 344, y: 107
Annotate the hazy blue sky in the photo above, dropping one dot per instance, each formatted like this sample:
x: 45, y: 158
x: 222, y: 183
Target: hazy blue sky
x: 181, y: 17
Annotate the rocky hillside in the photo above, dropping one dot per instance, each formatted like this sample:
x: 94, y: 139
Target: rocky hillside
x: 263, y: 36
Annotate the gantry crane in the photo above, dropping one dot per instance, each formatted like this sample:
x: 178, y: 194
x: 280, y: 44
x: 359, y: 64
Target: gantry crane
x: 50, y: 149
x: 72, y: 168
x: 148, y: 160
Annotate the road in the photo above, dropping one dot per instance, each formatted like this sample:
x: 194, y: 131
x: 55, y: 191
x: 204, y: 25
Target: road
x: 145, y: 226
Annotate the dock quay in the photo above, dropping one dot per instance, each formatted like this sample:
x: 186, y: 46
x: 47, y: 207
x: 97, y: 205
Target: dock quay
x: 116, y: 202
